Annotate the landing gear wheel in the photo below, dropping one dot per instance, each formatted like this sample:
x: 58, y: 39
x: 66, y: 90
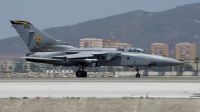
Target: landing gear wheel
x: 84, y: 73
x: 79, y: 74
x: 137, y: 75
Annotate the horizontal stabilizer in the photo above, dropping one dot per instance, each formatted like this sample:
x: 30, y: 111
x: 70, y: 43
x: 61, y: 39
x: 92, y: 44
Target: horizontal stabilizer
x: 42, y: 59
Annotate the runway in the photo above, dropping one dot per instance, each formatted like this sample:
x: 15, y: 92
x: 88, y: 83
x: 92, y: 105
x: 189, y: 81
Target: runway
x: 100, y: 87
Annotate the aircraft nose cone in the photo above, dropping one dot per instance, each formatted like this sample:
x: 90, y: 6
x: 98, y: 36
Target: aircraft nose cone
x: 170, y: 62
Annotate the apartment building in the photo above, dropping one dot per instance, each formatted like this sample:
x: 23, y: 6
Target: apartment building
x: 185, y: 51
x: 159, y: 49
x: 101, y: 43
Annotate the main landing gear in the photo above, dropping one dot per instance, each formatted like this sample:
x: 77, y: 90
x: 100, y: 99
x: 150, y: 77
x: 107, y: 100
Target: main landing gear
x: 81, y: 72
x: 137, y: 74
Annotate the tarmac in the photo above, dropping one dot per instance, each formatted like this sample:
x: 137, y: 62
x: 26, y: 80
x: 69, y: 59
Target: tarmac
x: 100, y: 94
x: 100, y: 87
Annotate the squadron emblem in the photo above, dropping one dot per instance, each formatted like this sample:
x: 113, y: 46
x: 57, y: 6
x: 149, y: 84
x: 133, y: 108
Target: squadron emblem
x: 37, y: 37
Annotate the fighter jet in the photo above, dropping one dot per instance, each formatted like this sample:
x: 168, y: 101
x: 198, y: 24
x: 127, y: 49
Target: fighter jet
x: 44, y: 49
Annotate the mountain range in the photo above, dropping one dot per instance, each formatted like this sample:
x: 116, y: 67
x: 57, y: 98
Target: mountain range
x: 139, y: 28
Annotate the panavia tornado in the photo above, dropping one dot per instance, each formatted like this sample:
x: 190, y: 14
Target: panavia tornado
x: 44, y: 49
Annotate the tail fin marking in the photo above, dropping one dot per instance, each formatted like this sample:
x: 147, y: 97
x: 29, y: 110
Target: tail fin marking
x: 35, y: 39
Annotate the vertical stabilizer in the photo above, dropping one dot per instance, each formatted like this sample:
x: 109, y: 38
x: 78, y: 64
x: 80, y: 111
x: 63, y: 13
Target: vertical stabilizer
x: 35, y: 39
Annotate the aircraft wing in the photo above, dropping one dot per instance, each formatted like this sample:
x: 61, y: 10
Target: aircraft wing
x: 81, y: 56
x: 85, y: 55
x: 74, y: 56
x: 99, y: 53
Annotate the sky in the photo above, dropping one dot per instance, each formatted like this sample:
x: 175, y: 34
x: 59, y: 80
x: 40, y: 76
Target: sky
x: 54, y: 13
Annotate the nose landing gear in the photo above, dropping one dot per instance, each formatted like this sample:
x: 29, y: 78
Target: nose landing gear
x: 81, y: 72
x: 137, y: 74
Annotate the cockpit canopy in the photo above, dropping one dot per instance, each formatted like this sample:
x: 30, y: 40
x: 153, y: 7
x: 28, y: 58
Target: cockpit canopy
x: 132, y: 49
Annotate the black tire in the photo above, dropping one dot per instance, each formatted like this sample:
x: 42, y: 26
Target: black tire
x: 79, y: 74
x: 137, y: 75
x: 84, y: 74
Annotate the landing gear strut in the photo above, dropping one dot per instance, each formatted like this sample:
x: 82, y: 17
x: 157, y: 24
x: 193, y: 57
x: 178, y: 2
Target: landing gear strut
x: 137, y: 74
x: 81, y: 72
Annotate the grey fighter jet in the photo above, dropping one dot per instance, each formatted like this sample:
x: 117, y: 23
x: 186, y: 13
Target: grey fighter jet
x: 44, y: 49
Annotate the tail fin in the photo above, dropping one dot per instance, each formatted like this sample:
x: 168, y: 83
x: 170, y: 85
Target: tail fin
x: 35, y: 39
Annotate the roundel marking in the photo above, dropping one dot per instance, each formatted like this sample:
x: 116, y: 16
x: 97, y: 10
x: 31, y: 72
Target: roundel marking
x: 128, y: 58
x: 37, y: 37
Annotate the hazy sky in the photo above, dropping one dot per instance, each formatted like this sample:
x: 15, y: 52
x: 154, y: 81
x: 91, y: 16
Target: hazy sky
x: 53, y: 13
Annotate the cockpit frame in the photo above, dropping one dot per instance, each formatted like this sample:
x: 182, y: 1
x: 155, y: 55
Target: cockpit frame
x: 132, y: 49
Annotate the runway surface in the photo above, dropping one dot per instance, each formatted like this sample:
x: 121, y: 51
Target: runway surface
x: 100, y: 87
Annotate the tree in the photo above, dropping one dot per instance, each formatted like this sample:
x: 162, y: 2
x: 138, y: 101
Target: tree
x: 188, y: 67
x: 25, y: 68
x: 6, y: 64
x: 125, y: 68
x: 2, y: 68
x: 32, y: 67
x: 110, y: 68
x: 196, y: 60
x: 181, y: 67
x: 10, y: 68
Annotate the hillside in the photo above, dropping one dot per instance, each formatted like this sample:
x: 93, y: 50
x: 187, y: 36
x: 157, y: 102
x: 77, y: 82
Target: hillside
x: 140, y: 28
